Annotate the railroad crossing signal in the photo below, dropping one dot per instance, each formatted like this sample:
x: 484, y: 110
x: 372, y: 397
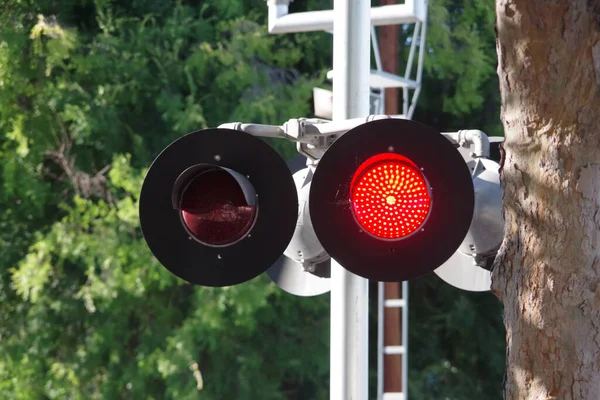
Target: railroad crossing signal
x: 218, y: 207
x: 389, y: 199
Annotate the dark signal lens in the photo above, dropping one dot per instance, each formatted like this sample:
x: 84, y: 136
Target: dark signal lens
x: 216, y: 209
x: 389, y: 196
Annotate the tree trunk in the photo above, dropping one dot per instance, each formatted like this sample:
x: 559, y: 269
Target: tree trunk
x: 547, y: 272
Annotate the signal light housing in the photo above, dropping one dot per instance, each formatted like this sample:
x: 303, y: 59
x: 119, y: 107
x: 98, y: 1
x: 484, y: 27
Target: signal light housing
x: 469, y: 268
x: 218, y: 207
x: 304, y: 269
x: 444, y: 196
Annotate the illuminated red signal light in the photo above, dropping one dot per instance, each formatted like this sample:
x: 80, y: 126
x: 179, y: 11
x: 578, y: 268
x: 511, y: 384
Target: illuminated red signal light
x: 216, y: 209
x: 390, y: 196
x: 372, y: 200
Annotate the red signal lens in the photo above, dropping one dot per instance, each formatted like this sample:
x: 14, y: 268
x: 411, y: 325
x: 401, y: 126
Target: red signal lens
x: 216, y: 209
x: 389, y: 196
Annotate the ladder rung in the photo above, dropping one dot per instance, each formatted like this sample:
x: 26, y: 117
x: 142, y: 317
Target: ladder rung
x: 393, y: 396
x: 393, y: 350
x: 394, y: 303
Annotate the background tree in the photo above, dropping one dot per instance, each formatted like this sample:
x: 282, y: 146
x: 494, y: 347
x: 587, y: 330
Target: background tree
x: 547, y: 273
x: 90, y: 92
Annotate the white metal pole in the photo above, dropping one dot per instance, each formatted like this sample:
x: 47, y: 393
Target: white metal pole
x: 350, y: 293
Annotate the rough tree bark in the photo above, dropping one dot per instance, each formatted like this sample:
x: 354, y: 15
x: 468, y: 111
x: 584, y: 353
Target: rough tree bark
x: 547, y: 272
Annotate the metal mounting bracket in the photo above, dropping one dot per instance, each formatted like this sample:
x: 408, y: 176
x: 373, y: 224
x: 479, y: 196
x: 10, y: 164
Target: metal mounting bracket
x: 313, y: 136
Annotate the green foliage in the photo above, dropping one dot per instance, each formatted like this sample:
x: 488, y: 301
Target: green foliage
x: 90, y: 92
x: 87, y: 312
x: 106, y: 321
x: 460, y: 35
x: 460, y: 340
x: 460, y: 84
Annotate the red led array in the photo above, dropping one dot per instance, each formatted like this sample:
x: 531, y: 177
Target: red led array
x: 390, y: 198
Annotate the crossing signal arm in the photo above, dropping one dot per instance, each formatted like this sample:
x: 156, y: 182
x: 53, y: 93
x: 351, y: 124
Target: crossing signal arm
x: 389, y: 199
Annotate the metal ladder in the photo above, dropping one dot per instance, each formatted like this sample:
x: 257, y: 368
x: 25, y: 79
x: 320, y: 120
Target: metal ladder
x: 382, y: 350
